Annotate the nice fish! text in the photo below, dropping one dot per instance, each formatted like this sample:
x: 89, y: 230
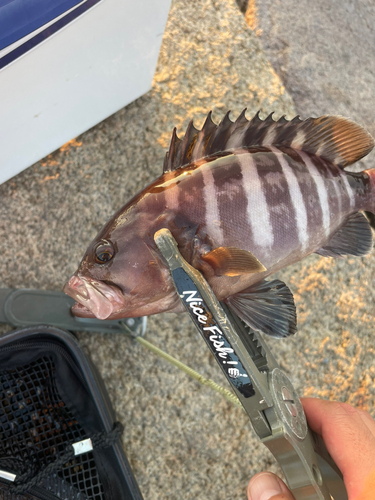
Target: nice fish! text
x: 195, y: 304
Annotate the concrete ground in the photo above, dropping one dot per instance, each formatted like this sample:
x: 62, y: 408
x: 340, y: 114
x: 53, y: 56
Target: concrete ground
x: 182, y: 440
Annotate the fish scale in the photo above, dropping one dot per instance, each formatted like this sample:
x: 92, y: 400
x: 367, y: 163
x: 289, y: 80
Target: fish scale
x: 229, y: 187
x: 243, y: 200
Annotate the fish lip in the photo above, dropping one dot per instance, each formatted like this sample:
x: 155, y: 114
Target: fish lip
x: 97, y: 298
x: 81, y: 311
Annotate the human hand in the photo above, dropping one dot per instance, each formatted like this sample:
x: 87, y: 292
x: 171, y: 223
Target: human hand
x: 349, y: 435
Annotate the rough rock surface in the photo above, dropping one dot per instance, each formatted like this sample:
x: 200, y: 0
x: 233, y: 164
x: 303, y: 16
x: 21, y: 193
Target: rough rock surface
x: 182, y: 440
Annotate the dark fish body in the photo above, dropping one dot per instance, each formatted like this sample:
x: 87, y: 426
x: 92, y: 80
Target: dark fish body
x: 243, y: 200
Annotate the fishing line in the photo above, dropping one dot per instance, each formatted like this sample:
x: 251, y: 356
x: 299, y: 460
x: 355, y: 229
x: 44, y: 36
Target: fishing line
x: 232, y: 398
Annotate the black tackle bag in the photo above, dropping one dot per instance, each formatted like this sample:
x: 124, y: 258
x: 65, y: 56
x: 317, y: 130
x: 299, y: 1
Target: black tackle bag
x: 58, y: 435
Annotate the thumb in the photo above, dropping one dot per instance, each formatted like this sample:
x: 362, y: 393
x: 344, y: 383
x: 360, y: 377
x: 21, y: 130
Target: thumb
x: 267, y: 486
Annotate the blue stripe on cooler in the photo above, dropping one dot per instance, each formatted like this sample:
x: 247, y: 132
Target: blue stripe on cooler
x: 18, y: 18
x: 46, y: 33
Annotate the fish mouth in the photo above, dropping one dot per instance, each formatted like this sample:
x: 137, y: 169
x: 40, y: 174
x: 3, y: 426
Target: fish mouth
x: 94, y: 298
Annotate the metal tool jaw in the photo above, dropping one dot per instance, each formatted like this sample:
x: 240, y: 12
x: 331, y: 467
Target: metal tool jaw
x: 263, y: 389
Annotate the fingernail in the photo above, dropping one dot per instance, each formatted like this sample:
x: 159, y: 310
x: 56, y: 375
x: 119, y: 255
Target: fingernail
x: 264, y: 486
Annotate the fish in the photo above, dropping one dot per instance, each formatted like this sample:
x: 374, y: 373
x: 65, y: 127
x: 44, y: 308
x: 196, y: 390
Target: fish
x: 243, y: 199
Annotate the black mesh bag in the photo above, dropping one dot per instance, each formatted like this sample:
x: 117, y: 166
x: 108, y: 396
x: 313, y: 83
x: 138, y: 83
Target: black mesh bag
x: 58, y: 434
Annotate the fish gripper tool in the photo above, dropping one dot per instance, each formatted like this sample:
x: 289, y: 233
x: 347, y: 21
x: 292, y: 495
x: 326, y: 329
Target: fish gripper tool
x: 264, y: 390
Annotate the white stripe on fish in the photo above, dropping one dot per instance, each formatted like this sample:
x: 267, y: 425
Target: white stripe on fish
x: 270, y: 136
x: 235, y: 139
x: 348, y: 189
x: 298, y: 140
x: 296, y: 197
x: 171, y: 196
x: 321, y: 188
x: 212, y: 217
x: 258, y: 214
x: 320, y: 149
x: 338, y: 194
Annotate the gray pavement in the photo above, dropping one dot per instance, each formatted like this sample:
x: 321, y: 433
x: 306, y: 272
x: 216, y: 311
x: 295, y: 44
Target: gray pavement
x: 324, y: 53
x: 181, y: 439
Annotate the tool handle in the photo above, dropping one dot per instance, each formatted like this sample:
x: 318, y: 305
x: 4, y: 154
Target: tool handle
x: 263, y: 389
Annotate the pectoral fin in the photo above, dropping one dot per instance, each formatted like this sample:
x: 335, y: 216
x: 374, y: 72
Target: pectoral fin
x: 267, y: 306
x: 232, y: 261
x: 353, y: 238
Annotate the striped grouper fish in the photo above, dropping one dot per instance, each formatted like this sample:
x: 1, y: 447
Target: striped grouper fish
x: 243, y: 200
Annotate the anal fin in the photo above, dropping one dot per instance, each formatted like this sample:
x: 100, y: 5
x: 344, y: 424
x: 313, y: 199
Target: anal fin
x: 267, y: 306
x: 353, y: 238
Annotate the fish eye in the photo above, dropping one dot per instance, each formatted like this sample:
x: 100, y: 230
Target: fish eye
x: 104, y: 252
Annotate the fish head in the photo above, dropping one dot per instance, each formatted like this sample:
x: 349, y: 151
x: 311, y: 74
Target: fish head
x: 122, y: 275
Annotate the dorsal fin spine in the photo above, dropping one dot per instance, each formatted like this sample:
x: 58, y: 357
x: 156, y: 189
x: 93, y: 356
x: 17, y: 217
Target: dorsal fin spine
x: 185, y: 143
x: 168, y: 160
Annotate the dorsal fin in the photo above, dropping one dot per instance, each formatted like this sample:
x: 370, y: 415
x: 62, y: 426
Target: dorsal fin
x: 334, y: 138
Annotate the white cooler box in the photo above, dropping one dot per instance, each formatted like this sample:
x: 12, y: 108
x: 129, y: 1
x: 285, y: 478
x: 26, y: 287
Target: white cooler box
x: 65, y: 65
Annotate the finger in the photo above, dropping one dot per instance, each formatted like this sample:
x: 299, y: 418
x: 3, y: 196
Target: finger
x: 323, y: 405
x: 267, y: 486
x: 348, y: 436
x: 368, y: 420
